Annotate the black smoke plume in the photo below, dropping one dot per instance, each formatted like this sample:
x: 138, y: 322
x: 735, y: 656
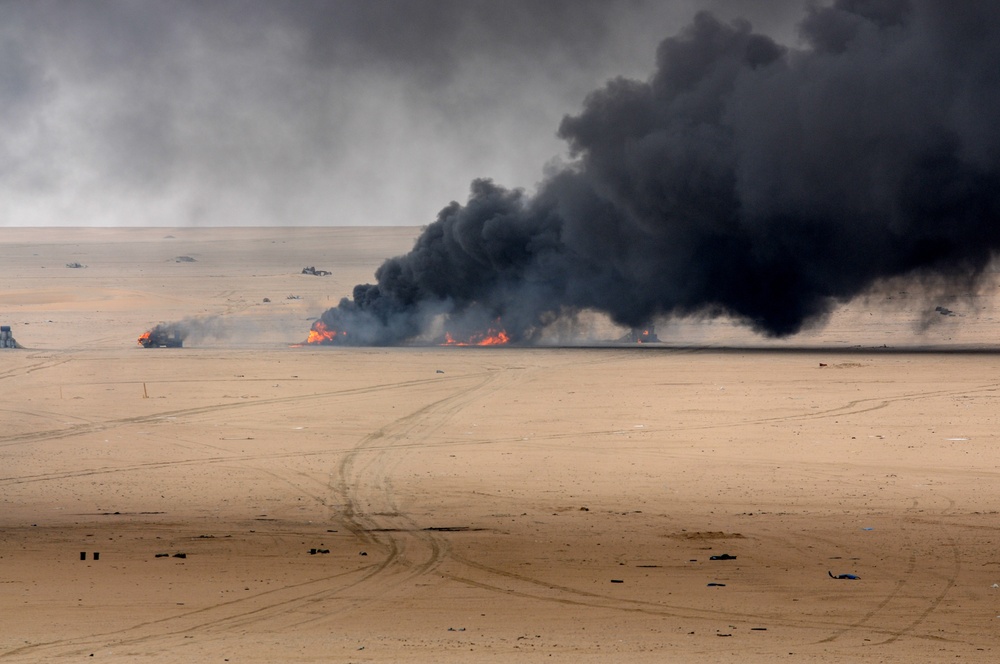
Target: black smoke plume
x: 743, y: 178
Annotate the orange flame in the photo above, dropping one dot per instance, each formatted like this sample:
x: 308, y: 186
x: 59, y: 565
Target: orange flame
x: 494, y: 339
x: 489, y: 338
x: 320, y: 334
x: 144, y: 338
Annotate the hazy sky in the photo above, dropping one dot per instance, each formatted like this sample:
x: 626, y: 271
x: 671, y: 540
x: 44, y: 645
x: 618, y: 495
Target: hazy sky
x: 299, y: 112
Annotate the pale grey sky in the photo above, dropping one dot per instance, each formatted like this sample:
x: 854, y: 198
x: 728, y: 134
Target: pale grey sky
x: 298, y: 112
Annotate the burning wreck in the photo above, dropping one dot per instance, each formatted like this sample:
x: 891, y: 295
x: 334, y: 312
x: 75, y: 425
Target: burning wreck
x: 641, y: 335
x: 162, y: 336
x: 490, y: 337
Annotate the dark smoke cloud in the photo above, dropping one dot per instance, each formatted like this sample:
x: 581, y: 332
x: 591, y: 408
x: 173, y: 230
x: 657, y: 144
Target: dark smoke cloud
x: 742, y: 178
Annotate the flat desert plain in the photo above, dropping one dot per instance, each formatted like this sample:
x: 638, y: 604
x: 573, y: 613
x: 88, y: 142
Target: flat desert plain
x: 244, y: 500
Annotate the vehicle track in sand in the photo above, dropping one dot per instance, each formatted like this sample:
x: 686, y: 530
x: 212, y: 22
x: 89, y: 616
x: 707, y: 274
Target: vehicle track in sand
x: 908, y: 609
x: 104, y: 425
x: 360, y: 477
x: 852, y: 407
x: 362, y: 498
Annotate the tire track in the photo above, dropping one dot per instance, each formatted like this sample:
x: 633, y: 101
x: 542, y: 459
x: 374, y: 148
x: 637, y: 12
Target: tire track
x: 883, y: 607
x: 853, y: 407
x: 361, y: 484
x: 262, y: 606
x: 527, y: 587
x: 901, y: 583
x: 363, y: 476
x: 31, y: 368
x: 92, y: 427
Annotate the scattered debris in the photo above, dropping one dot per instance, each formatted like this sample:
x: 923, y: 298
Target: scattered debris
x: 267, y: 299
x: 294, y: 297
x: 944, y: 311
x: 184, y: 259
x: 75, y: 265
x: 438, y: 371
x: 452, y: 629
x: 724, y: 556
x: 706, y: 535
x: 849, y: 577
x: 313, y: 271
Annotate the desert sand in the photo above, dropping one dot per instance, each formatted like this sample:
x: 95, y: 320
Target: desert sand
x: 251, y: 501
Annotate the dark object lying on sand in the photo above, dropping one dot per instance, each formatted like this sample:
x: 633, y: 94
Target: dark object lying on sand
x: 850, y: 577
x: 724, y: 556
x: 314, y: 271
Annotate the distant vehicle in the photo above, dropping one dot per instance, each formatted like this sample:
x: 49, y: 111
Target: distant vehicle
x: 158, y: 338
x: 7, y: 337
x: 641, y: 335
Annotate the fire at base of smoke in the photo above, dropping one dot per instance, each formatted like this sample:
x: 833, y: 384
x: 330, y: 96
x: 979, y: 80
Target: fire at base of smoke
x: 743, y: 179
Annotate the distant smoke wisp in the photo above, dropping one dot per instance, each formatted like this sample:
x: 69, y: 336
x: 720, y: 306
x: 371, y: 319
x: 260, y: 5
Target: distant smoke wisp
x: 743, y: 178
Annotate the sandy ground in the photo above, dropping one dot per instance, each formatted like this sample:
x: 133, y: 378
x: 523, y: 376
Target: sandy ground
x: 469, y: 504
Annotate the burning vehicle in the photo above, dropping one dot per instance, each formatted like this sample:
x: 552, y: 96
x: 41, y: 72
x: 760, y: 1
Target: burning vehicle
x: 162, y: 336
x: 641, y: 335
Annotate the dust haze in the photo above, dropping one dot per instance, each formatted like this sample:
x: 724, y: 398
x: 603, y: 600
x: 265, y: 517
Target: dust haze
x: 301, y: 113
